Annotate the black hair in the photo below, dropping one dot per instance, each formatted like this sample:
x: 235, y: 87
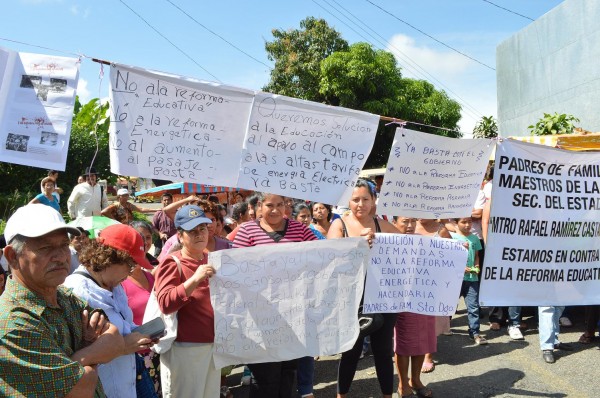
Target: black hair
x: 238, y: 210
x: 166, y: 194
x: 253, y: 199
x: 365, y: 183
x: 298, y: 207
x: 328, y: 207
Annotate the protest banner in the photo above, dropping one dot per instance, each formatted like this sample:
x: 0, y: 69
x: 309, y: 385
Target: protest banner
x: 543, y: 247
x: 286, y: 301
x: 37, y: 95
x: 174, y: 128
x: 413, y: 273
x: 430, y: 176
x: 298, y: 148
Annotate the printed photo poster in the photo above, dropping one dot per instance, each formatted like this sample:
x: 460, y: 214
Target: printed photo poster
x: 285, y: 301
x: 413, y: 273
x: 430, y: 176
x: 37, y: 96
x: 305, y: 150
x: 176, y: 128
x: 543, y: 237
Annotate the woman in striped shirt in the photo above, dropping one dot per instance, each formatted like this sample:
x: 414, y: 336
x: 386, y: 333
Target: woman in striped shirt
x: 276, y: 379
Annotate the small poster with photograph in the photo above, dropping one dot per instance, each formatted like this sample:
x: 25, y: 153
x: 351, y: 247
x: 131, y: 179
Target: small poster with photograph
x: 37, y: 96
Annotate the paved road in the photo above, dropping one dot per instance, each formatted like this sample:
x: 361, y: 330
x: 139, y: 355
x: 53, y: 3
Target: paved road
x: 503, y: 368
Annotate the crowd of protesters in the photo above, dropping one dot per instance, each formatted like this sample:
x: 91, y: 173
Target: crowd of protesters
x: 70, y: 305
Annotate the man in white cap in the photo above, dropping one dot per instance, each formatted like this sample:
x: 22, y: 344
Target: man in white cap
x: 87, y: 198
x: 50, y: 340
x: 122, y: 210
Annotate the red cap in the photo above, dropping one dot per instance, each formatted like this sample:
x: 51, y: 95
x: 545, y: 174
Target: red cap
x: 125, y: 238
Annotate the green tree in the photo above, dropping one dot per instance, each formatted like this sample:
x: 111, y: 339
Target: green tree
x: 554, y: 124
x: 298, y: 54
x: 361, y: 78
x: 487, y: 127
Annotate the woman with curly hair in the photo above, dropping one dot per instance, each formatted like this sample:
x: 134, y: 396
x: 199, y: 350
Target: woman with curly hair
x: 105, y: 263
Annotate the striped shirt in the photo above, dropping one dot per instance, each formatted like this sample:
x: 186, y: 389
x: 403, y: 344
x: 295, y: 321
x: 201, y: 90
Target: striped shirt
x: 252, y: 234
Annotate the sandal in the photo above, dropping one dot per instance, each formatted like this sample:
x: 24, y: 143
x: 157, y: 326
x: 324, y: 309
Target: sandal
x: 423, y: 392
x: 427, y: 367
x: 586, y: 339
x: 403, y: 396
x: 494, y: 326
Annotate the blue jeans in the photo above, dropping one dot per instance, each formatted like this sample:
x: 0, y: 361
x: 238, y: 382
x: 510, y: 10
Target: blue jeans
x: 548, y: 326
x: 305, y: 373
x: 470, y: 291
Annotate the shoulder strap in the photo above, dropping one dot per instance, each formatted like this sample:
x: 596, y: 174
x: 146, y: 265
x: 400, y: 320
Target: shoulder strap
x: 87, y: 276
x: 377, y: 227
x: 178, y: 262
x: 344, y: 230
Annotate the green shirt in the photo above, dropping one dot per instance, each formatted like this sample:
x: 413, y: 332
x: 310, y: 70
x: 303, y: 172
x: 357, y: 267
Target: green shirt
x: 474, y: 246
x: 36, y: 342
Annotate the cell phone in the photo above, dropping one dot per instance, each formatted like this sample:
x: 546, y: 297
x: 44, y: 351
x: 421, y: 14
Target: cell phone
x: 154, y: 328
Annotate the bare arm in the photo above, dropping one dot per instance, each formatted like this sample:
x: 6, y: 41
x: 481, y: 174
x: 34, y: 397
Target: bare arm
x: 109, y: 345
x: 485, y: 220
x: 141, y: 209
x: 34, y: 200
x: 171, y: 209
x: 335, y: 231
x: 108, y: 212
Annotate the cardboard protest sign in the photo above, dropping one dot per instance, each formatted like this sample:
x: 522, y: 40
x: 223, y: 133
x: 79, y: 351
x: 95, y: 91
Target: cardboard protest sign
x: 305, y: 150
x: 285, y: 301
x: 174, y: 128
x: 543, y: 247
x: 430, y: 176
x: 37, y: 95
x: 413, y: 273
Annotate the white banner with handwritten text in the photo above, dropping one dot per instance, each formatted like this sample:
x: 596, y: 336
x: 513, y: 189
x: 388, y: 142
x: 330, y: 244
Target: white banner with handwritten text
x: 285, y: 301
x: 305, y: 150
x: 412, y: 273
x: 430, y: 176
x: 174, y: 128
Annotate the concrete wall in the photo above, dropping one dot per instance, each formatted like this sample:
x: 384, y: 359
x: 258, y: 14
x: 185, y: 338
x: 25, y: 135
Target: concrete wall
x: 553, y: 65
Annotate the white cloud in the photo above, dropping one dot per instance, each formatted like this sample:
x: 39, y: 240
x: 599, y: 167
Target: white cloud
x: 83, y: 92
x: 473, y: 86
x: 441, y: 64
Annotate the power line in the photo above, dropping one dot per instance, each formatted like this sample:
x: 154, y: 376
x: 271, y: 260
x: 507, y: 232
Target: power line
x: 42, y: 47
x: 467, y: 107
x: 511, y: 11
x: 218, y: 35
x: 170, y: 42
x: 428, y: 35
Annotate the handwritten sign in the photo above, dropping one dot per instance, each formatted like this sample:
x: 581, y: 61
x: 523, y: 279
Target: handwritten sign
x: 430, y: 176
x: 305, y: 150
x: 285, y: 301
x: 543, y: 247
x: 173, y: 128
x: 37, y: 95
x: 412, y: 273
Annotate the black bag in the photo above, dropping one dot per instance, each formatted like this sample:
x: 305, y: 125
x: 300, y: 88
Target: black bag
x: 368, y: 323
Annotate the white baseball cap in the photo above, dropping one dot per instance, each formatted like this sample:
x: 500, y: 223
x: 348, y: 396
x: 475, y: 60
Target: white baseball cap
x: 122, y: 191
x: 36, y: 220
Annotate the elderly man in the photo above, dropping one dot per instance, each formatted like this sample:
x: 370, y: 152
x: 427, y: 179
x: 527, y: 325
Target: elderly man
x: 87, y: 198
x: 50, y: 341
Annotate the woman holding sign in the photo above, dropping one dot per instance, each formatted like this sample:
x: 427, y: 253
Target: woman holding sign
x: 360, y: 222
x: 276, y: 379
